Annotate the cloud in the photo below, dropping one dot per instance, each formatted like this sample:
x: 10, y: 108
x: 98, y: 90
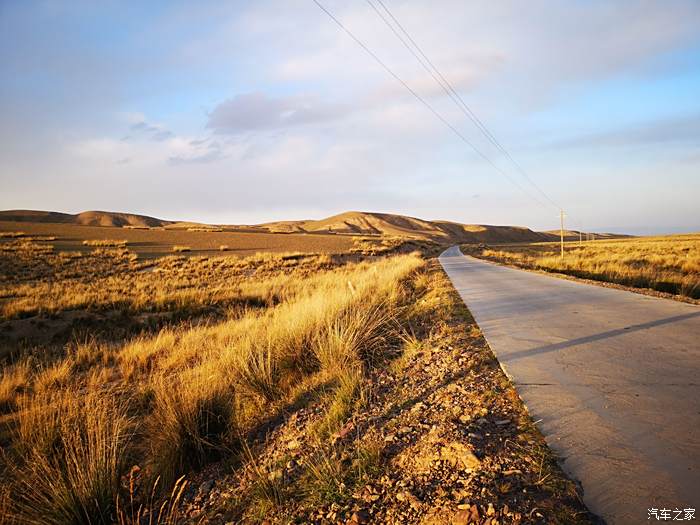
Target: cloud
x: 258, y: 111
x: 154, y: 132
x: 314, y: 124
x: 683, y: 129
x: 205, y: 158
x: 197, y: 151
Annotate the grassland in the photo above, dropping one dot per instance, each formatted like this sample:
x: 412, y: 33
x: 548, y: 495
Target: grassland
x: 158, y: 242
x: 190, y: 389
x: 669, y: 264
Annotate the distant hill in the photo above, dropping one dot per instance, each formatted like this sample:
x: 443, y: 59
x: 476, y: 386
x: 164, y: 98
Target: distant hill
x: 367, y: 223
x: 574, y: 235
x: 86, y: 218
x: 348, y: 223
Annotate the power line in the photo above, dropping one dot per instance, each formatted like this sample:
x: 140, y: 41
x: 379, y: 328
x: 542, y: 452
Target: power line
x: 422, y: 100
x: 451, y: 92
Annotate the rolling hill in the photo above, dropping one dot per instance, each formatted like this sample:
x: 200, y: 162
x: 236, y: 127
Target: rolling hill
x: 348, y: 223
x: 86, y: 218
x: 367, y: 223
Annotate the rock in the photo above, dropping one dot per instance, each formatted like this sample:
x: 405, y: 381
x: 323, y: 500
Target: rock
x: 275, y: 474
x: 502, y: 422
x: 459, y: 455
x: 512, y: 472
x: 359, y: 516
x: 345, y: 430
x: 204, y: 490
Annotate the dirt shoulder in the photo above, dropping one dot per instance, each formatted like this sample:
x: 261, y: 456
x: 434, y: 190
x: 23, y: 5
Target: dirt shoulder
x: 437, y: 435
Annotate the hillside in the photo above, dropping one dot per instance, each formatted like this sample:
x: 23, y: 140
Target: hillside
x: 574, y: 235
x: 86, y: 218
x: 367, y: 223
x: 348, y: 223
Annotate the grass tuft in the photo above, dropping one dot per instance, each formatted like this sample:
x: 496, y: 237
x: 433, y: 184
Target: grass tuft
x: 192, y: 423
x: 71, y: 459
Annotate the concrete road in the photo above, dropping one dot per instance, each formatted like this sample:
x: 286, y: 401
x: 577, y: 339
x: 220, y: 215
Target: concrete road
x: 613, y: 376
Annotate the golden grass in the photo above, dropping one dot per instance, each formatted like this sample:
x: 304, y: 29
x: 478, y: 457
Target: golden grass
x: 105, y: 243
x: 192, y: 422
x: 668, y: 264
x: 158, y: 241
x: 69, y: 456
x: 12, y: 235
x: 174, y: 400
x: 114, y: 279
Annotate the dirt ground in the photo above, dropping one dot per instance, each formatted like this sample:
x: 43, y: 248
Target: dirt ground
x: 159, y: 242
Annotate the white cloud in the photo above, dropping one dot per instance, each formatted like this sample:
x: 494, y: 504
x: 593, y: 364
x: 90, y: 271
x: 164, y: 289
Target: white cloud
x: 258, y: 111
x: 276, y: 108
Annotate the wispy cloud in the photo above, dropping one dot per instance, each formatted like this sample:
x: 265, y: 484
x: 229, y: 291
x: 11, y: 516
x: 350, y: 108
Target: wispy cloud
x: 155, y: 132
x: 258, y: 111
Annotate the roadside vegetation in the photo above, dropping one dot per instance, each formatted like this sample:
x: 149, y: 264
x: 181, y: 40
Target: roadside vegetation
x: 329, y: 388
x: 669, y: 264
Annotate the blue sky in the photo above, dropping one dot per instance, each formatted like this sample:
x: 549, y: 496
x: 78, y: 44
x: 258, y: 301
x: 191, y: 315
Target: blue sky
x: 256, y: 111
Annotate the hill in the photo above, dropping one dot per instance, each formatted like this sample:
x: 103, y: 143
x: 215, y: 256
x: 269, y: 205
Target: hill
x: 367, y: 223
x: 86, y: 218
x: 348, y: 223
x: 574, y: 235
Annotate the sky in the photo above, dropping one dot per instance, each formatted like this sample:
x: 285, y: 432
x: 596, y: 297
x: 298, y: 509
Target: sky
x: 246, y: 112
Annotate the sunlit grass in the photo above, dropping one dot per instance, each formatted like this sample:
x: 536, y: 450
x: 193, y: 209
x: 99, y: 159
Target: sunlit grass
x: 668, y: 264
x: 176, y: 399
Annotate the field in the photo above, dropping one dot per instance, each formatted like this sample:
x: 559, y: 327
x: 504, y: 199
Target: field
x: 216, y: 389
x: 669, y: 264
x: 159, y: 241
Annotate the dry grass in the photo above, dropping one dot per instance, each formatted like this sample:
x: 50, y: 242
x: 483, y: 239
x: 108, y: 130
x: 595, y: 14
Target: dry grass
x: 191, y: 424
x: 178, y: 248
x: 158, y: 241
x: 115, y: 279
x: 105, y: 243
x: 68, y: 458
x: 668, y: 264
x: 12, y: 235
x: 174, y: 400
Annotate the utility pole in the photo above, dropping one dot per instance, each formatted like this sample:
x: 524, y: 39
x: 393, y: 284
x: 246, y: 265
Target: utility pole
x: 561, y: 231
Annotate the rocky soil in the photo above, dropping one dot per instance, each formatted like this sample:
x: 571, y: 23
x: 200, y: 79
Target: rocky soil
x: 438, y: 435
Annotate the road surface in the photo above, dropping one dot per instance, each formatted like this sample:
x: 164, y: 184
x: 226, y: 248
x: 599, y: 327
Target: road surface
x: 613, y: 376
